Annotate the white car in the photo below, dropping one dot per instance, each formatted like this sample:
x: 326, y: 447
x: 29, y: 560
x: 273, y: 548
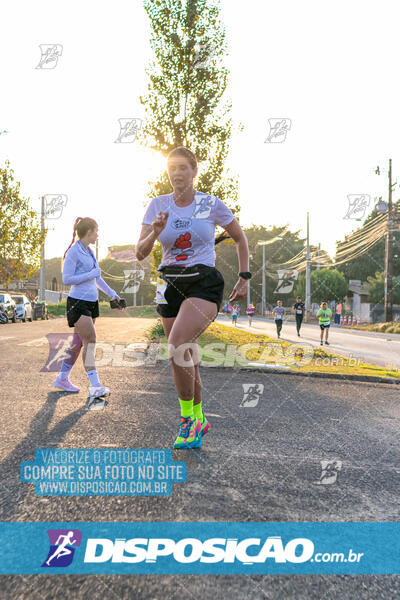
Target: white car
x: 23, y: 308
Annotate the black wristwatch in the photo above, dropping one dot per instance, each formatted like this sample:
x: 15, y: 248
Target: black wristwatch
x: 245, y: 274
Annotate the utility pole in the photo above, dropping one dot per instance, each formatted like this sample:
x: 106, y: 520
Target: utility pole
x: 308, y: 272
x: 97, y: 250
x: 318, y: 255
x: 41, y: 285
x: 389, y: 255
x: 263, y: 283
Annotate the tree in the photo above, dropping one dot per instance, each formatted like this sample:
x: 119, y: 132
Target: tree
x: 21, y: 237
x: 184, y: 105
x: 120, y: 259
x: 377, y: 288
x: 277, y: 252
x: 326, y: 285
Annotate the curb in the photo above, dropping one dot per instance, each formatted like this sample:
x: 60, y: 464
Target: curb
x: 338, y: 376
x: 341, y: 377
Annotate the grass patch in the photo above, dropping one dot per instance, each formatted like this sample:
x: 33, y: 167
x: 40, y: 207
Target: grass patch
x: 140, y: 312
x: 279, y: 352
x: 390, y: 327
x: 156, y: 332
x: 57, y: 310
x: 143, y: 312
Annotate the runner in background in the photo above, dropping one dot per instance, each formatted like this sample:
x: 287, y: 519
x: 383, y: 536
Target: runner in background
x: 81, y: 271
x: 278, y: 311
x: 298, y: 308
x: 338, y: 313
x: 250, y: 312
x: 324, y: 315
x: 234, y: 314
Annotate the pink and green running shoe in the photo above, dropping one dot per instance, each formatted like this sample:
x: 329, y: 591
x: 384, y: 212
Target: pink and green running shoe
x: 189, y: 433
x: 205, y: 426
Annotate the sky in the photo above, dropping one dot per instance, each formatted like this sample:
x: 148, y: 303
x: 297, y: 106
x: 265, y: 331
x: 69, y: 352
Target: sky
x: 329, y: 69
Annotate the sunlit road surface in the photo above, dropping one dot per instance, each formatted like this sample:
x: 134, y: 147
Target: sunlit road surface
x: 375, y: 348
x: 260, y: 463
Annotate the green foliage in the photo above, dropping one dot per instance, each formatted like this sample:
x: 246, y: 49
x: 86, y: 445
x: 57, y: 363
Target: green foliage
x: 377, y: 288
x: 185, y: 103
x: 278, y: 252
x: 21, y: 237
x: 156, y: 331
x: 326, y: 285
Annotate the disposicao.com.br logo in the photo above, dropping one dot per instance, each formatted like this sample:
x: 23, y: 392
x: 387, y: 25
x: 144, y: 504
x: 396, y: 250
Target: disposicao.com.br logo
x: 248, y: 551
x: 237, y: 553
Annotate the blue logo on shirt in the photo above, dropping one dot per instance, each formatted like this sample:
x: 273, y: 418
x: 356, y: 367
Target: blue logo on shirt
x: 181, y: 223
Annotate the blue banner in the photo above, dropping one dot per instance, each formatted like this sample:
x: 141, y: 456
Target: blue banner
x: 200, y: 548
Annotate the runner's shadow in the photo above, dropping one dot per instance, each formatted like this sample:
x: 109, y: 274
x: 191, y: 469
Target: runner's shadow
x: 12, y: 490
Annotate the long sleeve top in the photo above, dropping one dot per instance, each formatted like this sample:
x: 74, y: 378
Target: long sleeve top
x: 82, y: 272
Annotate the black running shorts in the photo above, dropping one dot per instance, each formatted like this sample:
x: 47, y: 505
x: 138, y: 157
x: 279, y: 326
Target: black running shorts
x: 210, y: 287
x: 76, y: 308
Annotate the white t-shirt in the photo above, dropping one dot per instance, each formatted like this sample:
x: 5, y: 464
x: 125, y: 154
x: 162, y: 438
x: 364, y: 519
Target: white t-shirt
x: 188, y: 237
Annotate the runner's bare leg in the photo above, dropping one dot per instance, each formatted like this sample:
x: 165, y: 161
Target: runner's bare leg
x: 195, y: 315
x: 167, y: 324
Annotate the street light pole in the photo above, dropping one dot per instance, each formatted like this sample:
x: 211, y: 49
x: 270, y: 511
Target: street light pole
x: 389, y: 255
x: 263, y: 283
x: 41, y: 284
x: 308, y: 272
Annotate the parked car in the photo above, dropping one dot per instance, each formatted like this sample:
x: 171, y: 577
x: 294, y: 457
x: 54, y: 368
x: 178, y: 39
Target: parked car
x: 39, y: 310
x: 23, y: 306
x: 7, y: 305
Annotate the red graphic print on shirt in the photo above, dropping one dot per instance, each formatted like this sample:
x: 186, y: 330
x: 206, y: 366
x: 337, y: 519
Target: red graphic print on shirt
x: 181, y: 248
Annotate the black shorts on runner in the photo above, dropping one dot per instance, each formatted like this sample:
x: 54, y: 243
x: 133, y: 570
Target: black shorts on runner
x: 76, y: 308
x: 324, y: 326
x: 210, y: 287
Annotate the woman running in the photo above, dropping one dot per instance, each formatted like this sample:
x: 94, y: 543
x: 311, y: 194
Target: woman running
x: 250, y: 312
x: 278, y: 311
x: 184, y: 221
x: 299, y: 309
x: 235, y: 314
x: 81, y: 270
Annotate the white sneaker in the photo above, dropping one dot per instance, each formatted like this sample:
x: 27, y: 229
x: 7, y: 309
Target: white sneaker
x: 98, y: 391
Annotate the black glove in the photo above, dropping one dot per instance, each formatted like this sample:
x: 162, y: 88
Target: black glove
x: 121, y: 303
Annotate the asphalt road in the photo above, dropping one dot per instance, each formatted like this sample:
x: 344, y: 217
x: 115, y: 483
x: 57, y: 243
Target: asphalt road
x: 371, y: 347
x: 256, y: 464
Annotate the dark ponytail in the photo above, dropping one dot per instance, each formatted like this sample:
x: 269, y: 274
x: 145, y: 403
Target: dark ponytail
x: 74, y: 235
x: 81, y: 227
